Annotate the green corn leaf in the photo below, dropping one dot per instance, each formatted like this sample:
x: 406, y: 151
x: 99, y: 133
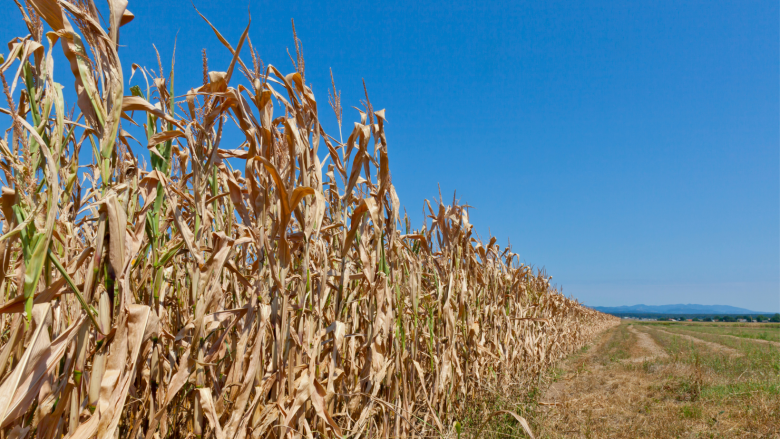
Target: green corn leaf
x: 158, y: 281
x: 79, y: 296
x: 33, y: 270
x: 169, y: 254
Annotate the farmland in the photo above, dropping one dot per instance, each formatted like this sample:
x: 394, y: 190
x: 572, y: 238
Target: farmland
x: 158, y: 281
x: 647, y: 379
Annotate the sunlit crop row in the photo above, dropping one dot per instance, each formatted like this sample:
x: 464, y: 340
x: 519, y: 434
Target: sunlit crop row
x: 234, y: 290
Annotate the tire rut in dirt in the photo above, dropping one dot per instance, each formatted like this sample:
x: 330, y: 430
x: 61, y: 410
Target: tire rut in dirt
x: 646, y: 342
x: 715, y: 347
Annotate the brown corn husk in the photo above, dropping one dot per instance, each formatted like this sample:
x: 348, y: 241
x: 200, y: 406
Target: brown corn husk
x: 237, y: 291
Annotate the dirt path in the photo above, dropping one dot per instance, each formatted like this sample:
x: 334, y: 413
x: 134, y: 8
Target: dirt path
x: 601, y: 394
x: 716, y: 347
x: 626, y: 385
x: 646, y: 343
x: 642, y: 349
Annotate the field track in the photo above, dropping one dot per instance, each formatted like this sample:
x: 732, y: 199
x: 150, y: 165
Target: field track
x: 757, y: 340
x: 637, y: 380
x: 647, y: 343
x: 710, y: 345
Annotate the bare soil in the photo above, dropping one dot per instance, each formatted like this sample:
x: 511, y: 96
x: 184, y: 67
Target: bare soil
x: 648, y: 345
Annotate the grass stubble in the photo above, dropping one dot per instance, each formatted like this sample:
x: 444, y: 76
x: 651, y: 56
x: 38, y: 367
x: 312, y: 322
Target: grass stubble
x: 238, y: 290
x: 618, y: 389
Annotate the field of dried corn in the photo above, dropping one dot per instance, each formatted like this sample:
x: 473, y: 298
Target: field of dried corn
x: 235, y: 291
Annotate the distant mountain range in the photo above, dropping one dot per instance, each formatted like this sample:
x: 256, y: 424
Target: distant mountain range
x: 675, y: 309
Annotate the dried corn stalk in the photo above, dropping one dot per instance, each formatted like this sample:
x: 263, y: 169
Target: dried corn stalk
x: 279, y: 299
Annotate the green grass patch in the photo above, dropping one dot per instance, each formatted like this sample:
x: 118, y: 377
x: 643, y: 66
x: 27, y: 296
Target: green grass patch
x: 721, y: 391
x: 754, y: 331
x: 691, y: 411
x: 617, y: 347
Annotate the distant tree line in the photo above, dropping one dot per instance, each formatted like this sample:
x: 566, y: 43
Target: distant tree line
x: 705, y: 317
x: 748, y: 318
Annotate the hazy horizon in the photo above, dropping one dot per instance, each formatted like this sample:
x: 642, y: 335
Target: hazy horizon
x: 743, y: 309
x: 666, y: 294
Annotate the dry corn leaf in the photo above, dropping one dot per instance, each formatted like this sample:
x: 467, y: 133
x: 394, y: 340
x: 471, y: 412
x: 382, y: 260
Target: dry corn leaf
x: 237, y: 289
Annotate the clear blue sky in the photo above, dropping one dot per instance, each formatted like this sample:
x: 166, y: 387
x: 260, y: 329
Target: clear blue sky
x: 631, y: 149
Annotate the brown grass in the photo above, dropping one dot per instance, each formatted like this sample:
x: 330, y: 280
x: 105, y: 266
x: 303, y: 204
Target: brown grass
x: 693, y: 391
x: 277, y: 298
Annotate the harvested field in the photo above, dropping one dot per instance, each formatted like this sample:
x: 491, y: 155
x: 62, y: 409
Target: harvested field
x: 752, y: 339
x: 648, y: 345
x: 612, y: 390
x: 716, y: 347
x: 758, y: 332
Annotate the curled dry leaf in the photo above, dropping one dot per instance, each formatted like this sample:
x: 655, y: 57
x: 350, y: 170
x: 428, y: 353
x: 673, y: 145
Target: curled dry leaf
x: 237, y: 290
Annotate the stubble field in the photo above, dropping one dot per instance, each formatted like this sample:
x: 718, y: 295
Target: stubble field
x: 663, y: 380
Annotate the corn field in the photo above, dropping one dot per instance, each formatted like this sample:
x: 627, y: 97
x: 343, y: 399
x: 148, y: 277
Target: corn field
x: 235, y: 291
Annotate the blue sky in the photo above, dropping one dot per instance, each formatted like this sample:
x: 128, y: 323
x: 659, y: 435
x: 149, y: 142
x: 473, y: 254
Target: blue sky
x: 631, y: 149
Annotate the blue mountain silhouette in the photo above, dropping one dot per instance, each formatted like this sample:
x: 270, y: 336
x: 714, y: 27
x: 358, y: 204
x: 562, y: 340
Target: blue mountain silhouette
x: 676, y: 309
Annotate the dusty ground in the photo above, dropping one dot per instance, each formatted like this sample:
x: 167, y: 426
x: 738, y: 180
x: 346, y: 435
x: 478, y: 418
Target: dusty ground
x: 646, y: 343
x: 641, y: 381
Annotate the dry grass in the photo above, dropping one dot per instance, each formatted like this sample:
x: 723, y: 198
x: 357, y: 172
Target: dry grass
x: 690, y: 392
x: 277, y: 298
x: 766, y: 332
